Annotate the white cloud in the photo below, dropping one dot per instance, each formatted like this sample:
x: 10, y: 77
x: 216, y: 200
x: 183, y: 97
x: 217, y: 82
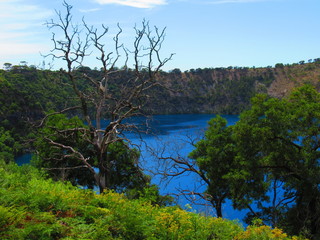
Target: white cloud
x: 13, y: 49
x: 16, y: 11
x: 234, y: 1
x: 134, y: 3
x: 89, y: 10
x: 9, y: 1
x: 21, y: 28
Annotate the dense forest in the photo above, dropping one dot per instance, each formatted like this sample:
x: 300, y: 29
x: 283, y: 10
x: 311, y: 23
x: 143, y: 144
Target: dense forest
x: 26, y: 92
x: 209, y: 90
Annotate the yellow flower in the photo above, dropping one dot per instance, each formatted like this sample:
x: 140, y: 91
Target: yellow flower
x: 278, y: 233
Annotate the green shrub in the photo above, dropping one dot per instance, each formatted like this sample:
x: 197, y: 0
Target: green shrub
x: 33, y: 207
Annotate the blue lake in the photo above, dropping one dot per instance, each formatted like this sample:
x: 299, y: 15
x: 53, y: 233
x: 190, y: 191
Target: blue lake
x: 171, y: 135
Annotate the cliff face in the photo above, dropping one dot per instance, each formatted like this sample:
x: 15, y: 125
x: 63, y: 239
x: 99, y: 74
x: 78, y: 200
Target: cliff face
x: 228, y: 90
x: 292, y: 76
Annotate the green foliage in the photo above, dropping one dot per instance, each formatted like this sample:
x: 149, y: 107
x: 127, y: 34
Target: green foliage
x: 7, y: 145
x: 149, y: 193
x: 215, y: 157
x: 269, y: 157
x: 60, y: 162
x: 26, y: 93
x: 279, y: 138
x: 125, y: 173
x: 32, y: 207
x: 64, y: 164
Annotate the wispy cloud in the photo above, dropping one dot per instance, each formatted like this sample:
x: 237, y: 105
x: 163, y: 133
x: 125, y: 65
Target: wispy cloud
x: 10, y: 50
x: 222, y: 1
x: 17, y: 11
x: 233, y: 1
x: 21, y: 25
x: 89, y: 10
x: 134, y: 3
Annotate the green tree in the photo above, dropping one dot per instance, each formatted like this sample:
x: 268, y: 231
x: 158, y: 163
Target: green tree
x: 214, y: 155
x: 62, y: 163
x: 280, y: 139
x: 275, y: 161
x: 7, y: 66
x: 7, y: 146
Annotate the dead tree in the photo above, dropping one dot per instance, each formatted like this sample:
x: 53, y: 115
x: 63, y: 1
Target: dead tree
x: 74, y: 43
x: 172, y: 167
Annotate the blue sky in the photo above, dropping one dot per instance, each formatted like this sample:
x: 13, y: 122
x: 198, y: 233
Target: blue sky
x: 201, y: 33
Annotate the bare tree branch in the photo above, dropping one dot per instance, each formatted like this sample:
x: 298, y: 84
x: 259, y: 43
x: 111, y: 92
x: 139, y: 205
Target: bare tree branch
x: 77, y: 42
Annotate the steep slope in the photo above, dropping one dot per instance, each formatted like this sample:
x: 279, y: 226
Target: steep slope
x: 229, y: 90
x: 33, y: 207
x: 26, y: 92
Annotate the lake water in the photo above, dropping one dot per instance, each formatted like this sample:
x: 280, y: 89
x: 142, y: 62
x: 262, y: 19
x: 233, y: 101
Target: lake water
x: 171, y: 135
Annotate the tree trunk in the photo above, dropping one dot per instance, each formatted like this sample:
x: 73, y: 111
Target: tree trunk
x: 314, y: 218
x: 102, y: 180
x: 218, y: 207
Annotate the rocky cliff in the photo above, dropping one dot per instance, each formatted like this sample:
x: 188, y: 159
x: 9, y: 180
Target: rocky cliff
x: 228, y: 90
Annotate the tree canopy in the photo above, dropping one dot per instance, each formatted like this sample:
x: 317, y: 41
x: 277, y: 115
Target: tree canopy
x: 268, y: 161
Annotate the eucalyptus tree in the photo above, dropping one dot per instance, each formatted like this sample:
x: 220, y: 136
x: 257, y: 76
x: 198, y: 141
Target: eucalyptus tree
x: 108, y: 95
x: 269, y: 159
x: 280, y: 139
x: 267, y: 163
x: 214, y: 156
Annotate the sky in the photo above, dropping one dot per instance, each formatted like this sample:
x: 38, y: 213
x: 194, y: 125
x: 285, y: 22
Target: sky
x: 201, y: 33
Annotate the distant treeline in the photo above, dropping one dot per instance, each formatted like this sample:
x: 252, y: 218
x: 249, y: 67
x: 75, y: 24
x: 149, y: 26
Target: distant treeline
x: 27, y: 92
x: 229, y: 90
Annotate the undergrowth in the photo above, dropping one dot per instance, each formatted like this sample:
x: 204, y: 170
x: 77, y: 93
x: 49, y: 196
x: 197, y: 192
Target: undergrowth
x: 34, y: 207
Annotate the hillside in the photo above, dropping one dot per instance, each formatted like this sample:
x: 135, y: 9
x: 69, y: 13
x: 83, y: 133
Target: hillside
x: 33, y: 207
x: 229, y: 90
x: 26, y: 93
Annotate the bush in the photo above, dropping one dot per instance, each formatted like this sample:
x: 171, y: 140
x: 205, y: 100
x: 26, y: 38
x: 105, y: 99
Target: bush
x: 33, y: 207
